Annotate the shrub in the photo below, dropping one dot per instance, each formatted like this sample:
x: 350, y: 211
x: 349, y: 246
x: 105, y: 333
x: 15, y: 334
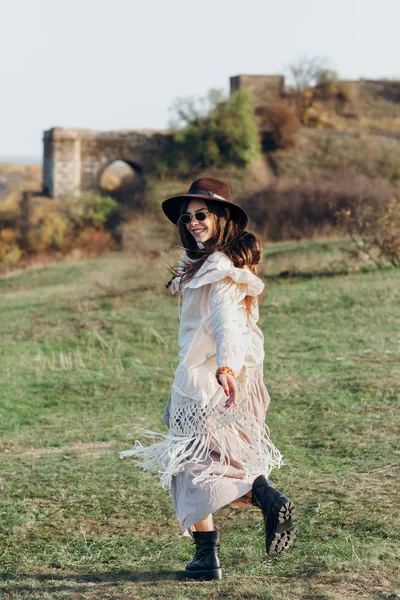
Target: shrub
x: 10, y: 253
x: 94, y: 240
x: 47, y: 227
x: 226, y: 134
x: 313, y: 207
x: 87, y: 210
x: 375, y: 233
x: 279, y: 125
x: 44, y: 225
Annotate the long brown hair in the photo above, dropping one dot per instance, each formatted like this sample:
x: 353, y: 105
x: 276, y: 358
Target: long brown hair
x: 229, y: 236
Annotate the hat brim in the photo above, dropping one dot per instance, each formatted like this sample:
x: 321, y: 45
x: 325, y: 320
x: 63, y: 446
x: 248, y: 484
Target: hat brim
x: 172, y: 207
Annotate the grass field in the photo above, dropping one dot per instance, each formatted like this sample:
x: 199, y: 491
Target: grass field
x: 87, y: 354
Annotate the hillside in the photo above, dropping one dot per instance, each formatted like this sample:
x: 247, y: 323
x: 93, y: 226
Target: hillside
x: 323, y: 153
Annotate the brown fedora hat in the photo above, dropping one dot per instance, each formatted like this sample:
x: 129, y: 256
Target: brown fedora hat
x: 207, y: 188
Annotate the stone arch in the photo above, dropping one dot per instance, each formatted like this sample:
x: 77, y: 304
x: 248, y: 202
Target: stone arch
x: 95, y: 169
x: 117, y: 169
x: 134, y: 166
x: 124, y: 181
x: 75, y: 158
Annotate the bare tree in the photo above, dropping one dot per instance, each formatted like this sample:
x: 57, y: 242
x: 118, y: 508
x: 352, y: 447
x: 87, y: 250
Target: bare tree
x: 306, y: 71
x: 189, y: 110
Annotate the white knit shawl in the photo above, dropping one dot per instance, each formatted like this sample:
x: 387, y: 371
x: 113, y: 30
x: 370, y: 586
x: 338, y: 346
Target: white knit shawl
x: 199, y: 424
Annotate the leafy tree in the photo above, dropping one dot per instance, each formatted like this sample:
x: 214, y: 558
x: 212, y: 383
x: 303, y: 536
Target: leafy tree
x: 212, y: 132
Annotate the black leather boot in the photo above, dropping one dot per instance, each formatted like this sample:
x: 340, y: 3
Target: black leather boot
x: 278, y: 512
x: 205, y: 564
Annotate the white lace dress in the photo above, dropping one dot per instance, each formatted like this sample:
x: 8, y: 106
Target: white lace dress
x: 211, y: 454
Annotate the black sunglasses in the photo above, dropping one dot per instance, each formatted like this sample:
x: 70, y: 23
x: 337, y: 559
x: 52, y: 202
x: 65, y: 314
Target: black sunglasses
x: 199, y: 216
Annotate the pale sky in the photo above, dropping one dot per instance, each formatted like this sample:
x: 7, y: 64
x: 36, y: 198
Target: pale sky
x: 115, y: 64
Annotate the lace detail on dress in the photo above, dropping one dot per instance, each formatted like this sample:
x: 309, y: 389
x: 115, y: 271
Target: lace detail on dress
x: 199, y: 431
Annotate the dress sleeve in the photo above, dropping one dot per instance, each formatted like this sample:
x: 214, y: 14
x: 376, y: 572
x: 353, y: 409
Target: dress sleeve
x: 227, y: 323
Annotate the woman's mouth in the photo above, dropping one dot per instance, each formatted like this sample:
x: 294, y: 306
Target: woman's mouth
x: 198, y: 231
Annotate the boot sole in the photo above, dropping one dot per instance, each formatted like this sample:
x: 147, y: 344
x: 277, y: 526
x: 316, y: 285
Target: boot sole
x: 280, y: 533
x: 206, y: 574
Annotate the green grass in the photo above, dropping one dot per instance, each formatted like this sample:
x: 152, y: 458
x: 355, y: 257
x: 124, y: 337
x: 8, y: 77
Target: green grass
x: 87, y: 354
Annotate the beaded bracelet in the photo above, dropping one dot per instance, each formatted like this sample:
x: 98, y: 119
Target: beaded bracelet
x: 223, y: 371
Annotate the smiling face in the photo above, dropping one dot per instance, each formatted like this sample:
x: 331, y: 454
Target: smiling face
x: 202, y: 231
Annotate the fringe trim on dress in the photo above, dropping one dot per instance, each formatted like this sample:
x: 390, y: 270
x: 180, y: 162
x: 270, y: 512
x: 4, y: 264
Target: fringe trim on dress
x: 243, y: 442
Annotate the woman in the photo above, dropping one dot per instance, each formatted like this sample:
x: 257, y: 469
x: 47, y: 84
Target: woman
x: 217, y: 449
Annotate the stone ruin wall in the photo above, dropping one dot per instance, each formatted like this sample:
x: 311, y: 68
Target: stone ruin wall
x: 74, y: 159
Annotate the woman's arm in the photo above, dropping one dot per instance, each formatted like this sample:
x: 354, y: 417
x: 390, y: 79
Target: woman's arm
x: 228, y: 326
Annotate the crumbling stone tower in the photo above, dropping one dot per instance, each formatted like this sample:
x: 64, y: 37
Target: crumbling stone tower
x: 266, y: 89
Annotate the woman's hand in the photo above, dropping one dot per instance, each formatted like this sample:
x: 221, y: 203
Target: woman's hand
x: 230, y: 388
